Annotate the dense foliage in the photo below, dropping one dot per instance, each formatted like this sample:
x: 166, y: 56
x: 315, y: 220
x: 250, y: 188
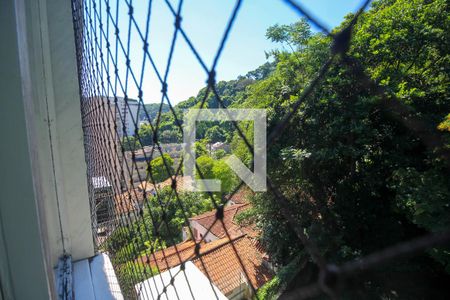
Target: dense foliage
x: 211, y: 168
x: 161, y: 167
x: 359, y: 179
x: 130, y: 143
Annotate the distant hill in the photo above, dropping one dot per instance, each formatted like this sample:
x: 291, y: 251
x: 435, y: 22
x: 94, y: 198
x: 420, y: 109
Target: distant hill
x: 232, y: 93
x: 152, y: 110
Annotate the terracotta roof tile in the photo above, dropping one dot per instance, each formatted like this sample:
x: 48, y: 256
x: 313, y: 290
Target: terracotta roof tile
x: 168, y: 257
x: 128, y: 201
x: 226, y: 271
x: 241, y: 196
x: 146, y: 186
x: 220, y: 261
x: 218, y: 229
x: 181, y: 183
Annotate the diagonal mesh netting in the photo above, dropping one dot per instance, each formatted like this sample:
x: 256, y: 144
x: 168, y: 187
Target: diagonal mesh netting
x: 135, y: 187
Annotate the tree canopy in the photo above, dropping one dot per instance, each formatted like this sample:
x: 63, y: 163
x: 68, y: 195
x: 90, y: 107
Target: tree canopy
x: 161, y: 167
x: 357, y: 177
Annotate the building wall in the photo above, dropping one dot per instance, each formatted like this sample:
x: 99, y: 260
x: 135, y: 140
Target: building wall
x: 128, y: 113
x: 132, y: 113
x: 239, y: 293
x: 22, y: 258
x: 199, y: 231
x: 44, y: 208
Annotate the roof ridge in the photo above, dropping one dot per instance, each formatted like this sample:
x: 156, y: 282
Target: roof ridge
x: 193, y: 256
x: 211, y: 212
x: 229, y: 241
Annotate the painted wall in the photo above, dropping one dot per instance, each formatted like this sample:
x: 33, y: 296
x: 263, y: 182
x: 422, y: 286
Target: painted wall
x: 201, y: 231
x: 22, y: 256
x: 44, y: 206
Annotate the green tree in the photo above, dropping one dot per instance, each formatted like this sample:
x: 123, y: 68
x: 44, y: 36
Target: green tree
x: 205, y: 163
x: 262, y: 71
x: 146, y: 134
x: 215, y: 134
x: 161, y: 167
x: 152, y: 109
x: 131, y: 143
x: 223, y: 172
x: 355, y: 177
x: 170, y: 136
x: 295, y: 35
x: 217, y: 169
x: 200, y: 148
x: 158, y: 227
x: 219, y: 154
x: 169, y: 218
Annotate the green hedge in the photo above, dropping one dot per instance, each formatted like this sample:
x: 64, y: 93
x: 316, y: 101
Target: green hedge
x: 271, y: 289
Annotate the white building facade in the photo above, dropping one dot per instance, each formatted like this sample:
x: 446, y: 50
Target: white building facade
x: 127, y: 116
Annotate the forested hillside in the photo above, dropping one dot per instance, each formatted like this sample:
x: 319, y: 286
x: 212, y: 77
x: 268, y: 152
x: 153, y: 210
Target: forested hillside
x: 152, y: 109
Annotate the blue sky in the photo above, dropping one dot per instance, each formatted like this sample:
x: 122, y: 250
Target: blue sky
x: 204, y: 22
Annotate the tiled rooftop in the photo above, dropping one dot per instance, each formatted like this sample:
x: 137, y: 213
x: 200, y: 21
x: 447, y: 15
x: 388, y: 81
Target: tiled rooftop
x: 128, y: 201
x: 226, y: 271
x: 218, y: 229
x: 220, y: 260
x: 169, y: 258
x: 241, y: 196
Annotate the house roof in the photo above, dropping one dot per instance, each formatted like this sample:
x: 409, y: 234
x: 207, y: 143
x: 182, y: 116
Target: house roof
x: 218, y: 260
x: 241, y: 196
x: 146, y: 186
x: 180, y: 182
x: 175, y: 255
x: 222, y: 265
x: 128, y: 201
x: 218, y: 228
x: 170, y: 257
